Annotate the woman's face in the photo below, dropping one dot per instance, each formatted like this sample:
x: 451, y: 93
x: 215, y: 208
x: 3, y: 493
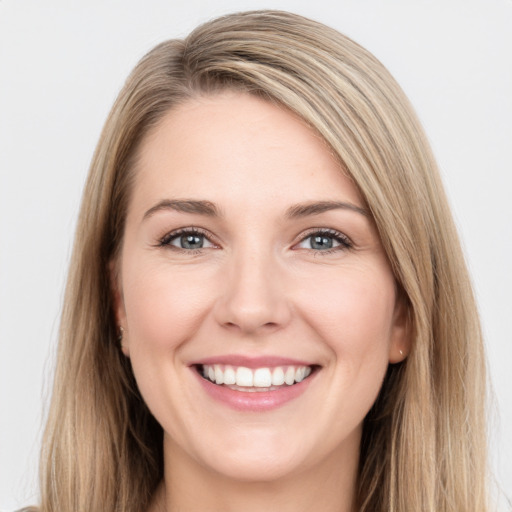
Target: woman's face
x: 249, y: 258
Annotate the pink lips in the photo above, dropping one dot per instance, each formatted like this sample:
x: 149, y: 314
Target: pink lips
x: 258, y: 401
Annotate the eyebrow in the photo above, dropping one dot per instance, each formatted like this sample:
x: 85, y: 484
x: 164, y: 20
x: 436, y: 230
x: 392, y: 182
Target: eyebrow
x: 316, y: 208
x: 209, y: 209
x: 185, y: 206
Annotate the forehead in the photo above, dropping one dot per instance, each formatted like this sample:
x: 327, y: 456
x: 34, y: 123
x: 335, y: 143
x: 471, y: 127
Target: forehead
x: 235, y: 148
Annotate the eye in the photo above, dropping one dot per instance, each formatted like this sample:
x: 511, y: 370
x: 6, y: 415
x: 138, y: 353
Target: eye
x: 325, y: 241
x: 187, y: 240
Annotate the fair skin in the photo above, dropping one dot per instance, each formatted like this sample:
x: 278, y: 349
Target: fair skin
x: 262, y: 281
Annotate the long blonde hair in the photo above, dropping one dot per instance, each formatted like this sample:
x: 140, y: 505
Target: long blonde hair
x: 424, y: 441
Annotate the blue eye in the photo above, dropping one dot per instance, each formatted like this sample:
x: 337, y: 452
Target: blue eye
x: 321, y: 242
x: 325, y: 241
x: 186, y: 240
x: 189, y: 241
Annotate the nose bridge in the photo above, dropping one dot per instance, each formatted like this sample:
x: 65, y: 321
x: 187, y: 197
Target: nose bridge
x: 253, y: 296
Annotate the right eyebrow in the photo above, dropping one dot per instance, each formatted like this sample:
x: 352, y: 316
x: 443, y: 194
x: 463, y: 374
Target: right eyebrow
x: 185, y: 206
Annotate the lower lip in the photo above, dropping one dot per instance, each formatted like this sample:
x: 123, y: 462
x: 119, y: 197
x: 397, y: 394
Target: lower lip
x: 256, y: 401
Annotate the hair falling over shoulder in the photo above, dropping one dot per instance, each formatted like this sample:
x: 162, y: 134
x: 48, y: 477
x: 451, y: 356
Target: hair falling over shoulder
x: 424, y: 441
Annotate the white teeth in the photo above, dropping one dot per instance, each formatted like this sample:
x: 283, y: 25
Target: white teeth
x: 278, y: 377
x: 244, y: 376
x: 262, y: 378
x: 289, y: 376
x: 229, y: 375
x: 219, y: 375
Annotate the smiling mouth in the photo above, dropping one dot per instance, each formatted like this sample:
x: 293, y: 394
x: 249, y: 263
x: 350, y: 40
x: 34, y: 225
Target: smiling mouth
x: 241, y: 378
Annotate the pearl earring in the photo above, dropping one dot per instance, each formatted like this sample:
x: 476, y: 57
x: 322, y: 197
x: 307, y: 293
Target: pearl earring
x: 120, y: 337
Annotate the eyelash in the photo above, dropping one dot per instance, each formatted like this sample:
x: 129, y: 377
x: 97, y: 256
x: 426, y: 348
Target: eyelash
x: 343, y: 240
x: 166, y: 240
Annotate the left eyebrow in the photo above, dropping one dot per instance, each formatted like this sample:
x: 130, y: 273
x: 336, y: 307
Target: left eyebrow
x: 315, y: 208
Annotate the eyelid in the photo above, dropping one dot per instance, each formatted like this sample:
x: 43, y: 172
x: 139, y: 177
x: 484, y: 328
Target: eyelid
x: 164, y: 241
x: 344, y: 240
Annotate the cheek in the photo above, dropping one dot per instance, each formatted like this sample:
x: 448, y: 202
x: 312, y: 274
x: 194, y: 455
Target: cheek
x: 356, y: 318
x: 352, y: 312
x: 164, y: 306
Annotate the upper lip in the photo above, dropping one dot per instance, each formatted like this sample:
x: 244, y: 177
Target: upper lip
x: 251, y: 362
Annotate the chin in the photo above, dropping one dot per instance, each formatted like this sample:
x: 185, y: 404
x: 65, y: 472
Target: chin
x: 257, y: 469
x: 259, y: 457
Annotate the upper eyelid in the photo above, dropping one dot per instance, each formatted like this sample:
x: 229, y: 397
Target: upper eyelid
x: 171, y: 235
x: 325, y: 231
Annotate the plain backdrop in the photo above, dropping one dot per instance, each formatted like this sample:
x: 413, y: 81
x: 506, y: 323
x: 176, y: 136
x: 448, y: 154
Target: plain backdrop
x: 62, y: 63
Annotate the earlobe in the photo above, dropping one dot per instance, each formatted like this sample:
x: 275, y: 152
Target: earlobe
x: 123, y: 342
x: 401, y: 336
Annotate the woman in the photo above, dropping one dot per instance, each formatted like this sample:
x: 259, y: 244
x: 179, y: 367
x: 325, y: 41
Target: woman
x: 267, y: 306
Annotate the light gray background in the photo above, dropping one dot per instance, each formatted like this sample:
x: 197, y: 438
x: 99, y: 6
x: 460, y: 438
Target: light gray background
x: 62, y: 63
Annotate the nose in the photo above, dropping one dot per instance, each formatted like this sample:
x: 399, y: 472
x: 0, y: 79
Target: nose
x: 253, y: 299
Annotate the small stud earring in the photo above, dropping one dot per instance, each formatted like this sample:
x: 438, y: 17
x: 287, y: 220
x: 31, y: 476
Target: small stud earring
x: 401, y: 352
x: 120, y: 337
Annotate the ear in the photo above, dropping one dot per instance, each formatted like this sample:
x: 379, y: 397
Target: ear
x: 401, y: 330
x: 118, y: 305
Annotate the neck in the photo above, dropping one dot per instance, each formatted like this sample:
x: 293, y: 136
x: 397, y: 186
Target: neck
x: 327, y: 486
